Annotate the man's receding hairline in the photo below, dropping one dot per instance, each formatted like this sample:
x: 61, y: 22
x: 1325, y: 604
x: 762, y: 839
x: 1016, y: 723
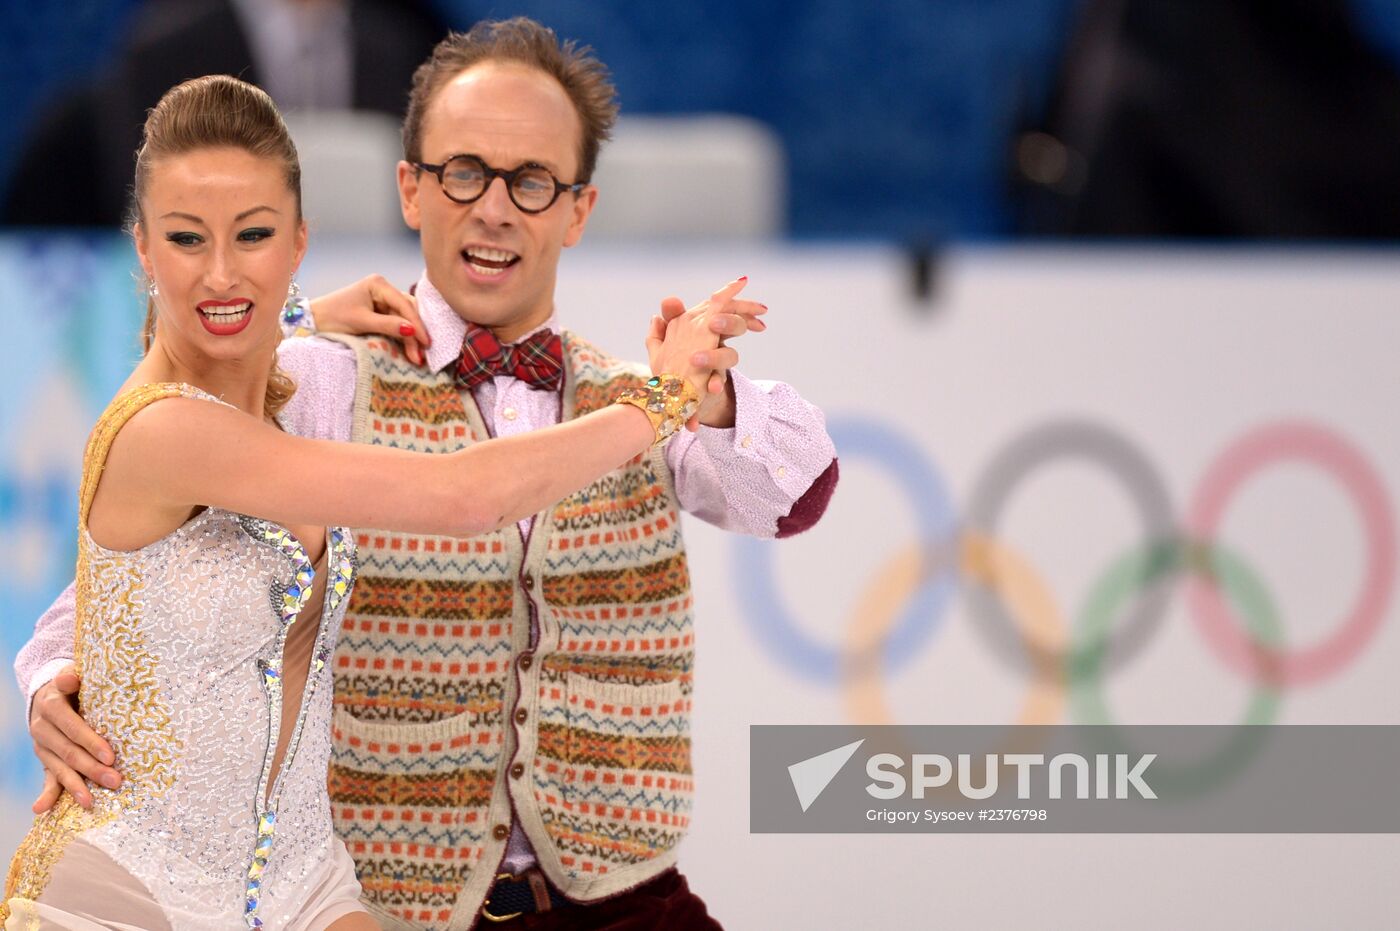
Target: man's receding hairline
x: 509, y: 63
x: 520, y: 64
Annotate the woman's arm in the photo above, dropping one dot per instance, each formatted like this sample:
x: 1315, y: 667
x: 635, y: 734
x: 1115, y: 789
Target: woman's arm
x: 182, y: 453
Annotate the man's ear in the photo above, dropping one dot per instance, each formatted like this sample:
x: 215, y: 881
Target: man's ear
x: 583, y: 207
x: 408, y: 195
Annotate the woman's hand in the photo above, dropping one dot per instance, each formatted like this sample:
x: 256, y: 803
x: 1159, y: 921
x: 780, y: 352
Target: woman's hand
x: 704, y: 328
x: 373, y: 305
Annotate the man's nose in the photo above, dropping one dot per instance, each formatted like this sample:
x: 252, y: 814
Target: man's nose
x: 495, y: 207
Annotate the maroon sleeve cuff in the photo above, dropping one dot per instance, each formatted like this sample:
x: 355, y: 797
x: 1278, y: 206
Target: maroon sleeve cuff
x: 809, y: 508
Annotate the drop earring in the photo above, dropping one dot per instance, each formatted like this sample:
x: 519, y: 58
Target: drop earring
x: 294, y: 310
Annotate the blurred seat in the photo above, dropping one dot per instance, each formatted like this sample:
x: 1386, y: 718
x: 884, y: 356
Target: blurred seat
x: 692, y: 176
x: 347, y: 170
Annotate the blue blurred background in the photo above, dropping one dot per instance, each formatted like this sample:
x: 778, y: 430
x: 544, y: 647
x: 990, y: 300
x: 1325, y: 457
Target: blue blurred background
x: 899, y: 117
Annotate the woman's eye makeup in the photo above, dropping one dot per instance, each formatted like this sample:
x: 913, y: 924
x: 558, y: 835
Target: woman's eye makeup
x: 252, y: 234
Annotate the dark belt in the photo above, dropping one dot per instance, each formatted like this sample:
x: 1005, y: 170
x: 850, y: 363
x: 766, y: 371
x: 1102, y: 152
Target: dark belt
x: 511, y: 896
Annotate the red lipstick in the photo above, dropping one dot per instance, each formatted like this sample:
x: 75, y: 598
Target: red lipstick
x: 225, y: 318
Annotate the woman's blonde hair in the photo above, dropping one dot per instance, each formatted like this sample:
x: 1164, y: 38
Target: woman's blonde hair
x: 217, y: 111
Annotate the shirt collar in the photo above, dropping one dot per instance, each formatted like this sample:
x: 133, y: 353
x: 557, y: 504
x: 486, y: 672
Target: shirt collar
x: 448, y: 329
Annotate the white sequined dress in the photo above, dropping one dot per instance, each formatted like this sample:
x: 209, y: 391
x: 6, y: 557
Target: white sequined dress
x: 180, y: 646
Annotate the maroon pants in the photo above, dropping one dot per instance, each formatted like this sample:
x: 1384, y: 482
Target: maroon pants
x: 664, y: 902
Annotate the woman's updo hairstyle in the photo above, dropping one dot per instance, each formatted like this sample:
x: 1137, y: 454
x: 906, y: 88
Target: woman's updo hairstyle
x: 212, y: 112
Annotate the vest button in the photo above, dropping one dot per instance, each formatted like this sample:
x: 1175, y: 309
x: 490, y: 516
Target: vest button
x: 517, y: 770
x: 528, y: 581
x: 500, y: 832
x: 526, y: 659
x: 521, y: 716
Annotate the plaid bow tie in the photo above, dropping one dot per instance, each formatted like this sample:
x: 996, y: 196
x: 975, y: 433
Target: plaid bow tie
x: 537, y: 360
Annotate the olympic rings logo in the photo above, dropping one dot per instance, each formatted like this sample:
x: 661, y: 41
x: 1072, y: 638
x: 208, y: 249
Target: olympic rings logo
x: 904, y: 603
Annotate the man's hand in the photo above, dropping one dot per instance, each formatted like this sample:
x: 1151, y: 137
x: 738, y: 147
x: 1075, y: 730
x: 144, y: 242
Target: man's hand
x: 728, y: 319
x: 68, y: 748
x: 372, y: 305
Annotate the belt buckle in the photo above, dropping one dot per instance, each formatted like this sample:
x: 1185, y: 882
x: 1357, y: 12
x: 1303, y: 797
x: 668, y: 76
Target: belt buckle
x: 490, y: 917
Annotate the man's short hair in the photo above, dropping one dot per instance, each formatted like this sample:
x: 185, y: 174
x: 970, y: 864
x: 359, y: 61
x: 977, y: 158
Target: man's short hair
x: 583, y: 77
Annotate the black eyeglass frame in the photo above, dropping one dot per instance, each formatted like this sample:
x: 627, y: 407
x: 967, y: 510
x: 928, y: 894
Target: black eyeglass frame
x: 492, y: 174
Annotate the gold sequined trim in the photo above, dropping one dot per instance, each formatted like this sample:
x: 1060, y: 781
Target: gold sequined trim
x: 120, y: 693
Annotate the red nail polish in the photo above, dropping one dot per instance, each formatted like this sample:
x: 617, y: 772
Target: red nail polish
x: 405, y: 329
x: 744, y: 278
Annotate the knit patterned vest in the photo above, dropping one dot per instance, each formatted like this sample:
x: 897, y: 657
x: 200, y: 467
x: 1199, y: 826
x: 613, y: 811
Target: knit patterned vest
x: 447, y: 724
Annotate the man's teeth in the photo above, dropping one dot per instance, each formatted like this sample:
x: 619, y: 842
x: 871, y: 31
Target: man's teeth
x: 489, y: 261
x: 491, y: 255
x: 230, y: 314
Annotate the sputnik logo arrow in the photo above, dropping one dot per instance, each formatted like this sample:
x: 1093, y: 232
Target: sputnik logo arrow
x: 811, y: 776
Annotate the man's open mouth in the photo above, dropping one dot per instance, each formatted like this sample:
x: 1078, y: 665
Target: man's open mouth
x: 486, y: 261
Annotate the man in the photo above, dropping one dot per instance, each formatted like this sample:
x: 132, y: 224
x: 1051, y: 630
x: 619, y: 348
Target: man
x: 512, y: 724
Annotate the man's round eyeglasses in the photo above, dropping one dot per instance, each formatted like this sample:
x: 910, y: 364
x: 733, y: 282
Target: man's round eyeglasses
x: 464, y: 178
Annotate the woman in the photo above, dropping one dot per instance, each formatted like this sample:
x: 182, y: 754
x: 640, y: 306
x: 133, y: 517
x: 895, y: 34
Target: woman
x: 209, y: 589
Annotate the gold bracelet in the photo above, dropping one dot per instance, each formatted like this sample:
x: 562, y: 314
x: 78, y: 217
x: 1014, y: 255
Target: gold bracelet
x: 667, y: 400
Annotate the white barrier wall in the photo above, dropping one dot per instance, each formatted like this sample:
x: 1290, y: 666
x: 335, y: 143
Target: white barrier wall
x: 1006, y: 449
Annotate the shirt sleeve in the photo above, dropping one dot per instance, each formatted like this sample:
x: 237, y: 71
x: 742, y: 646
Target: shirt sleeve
x: 759, y: 477
x: 323, y: 407
x: 50, y: 649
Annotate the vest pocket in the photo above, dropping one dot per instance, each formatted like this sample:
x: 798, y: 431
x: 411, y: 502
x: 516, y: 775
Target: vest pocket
x: 619, y: 787
x: 409, y: 800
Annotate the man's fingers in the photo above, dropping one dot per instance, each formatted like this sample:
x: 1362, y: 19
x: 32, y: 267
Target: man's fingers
x: 69, y: 779
x: 53, y: 738
x: 77, y: 730
x: 83, y: 763
x: 656, y: 335
x: 671, y: 308
x: 48, y: 795
x: 67, y: 681
x: 729, y: 325
x: 723, y: 358
x: 658, y: 327
x: 717, y: 382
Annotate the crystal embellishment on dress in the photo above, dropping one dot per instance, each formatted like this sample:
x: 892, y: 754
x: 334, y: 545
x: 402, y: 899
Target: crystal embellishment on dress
x: 288, y: 601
